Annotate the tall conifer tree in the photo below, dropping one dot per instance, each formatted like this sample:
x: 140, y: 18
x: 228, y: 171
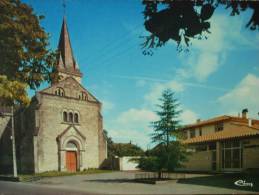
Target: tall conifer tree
x: 169, y: 152
x: 165, y: 128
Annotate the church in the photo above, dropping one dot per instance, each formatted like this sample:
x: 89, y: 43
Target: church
x: 62, y: 128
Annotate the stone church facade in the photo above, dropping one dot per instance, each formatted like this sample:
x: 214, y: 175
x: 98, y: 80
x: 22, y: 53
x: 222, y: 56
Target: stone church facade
x: 62, y: 129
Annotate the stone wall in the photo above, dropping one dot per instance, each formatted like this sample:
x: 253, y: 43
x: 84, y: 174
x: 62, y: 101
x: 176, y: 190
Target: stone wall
x: 52, y: 125
x: 42, y: 134
x: 5, y: 144
x: 25, y: 129
x: 102, y: 144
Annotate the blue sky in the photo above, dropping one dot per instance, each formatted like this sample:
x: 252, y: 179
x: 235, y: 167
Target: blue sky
x: 217, y: 76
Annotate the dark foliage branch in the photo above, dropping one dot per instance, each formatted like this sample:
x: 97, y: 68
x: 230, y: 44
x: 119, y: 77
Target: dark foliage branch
x: 182, y: 21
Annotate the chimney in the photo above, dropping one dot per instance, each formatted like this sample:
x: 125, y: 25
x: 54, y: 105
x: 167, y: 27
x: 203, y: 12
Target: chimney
x: 250, y: 122
x: 244, y: 113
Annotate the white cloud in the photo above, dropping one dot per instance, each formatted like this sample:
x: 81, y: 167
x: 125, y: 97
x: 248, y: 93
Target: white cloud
x: 136, y: 116
x: 207, y: 56
x: 141, y: 83
x: 135, y: 125
x: 157, y: 89
x: 122, y: 135
x: 226, y: 34
x: 176, y: 85
x: 107, y: 105
x: 132, y: 125
x: 244, y: 95
x: 188, y: 116
x: 207, y: 63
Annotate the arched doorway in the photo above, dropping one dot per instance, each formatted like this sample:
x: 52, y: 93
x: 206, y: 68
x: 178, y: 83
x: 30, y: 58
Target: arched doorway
x: 71, y: 157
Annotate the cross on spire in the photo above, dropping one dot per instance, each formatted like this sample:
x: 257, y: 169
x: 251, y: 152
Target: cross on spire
x: 64, y: 7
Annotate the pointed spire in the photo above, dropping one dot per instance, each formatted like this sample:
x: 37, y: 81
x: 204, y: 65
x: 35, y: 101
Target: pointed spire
x: 66, y: 64
x: 76, y: 65
x: 65, y: 48
x: 60, y: 62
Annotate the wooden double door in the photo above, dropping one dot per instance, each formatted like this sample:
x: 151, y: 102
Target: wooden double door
x: 71, y: 161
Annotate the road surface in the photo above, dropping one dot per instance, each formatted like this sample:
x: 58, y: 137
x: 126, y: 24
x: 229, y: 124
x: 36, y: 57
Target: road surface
x: 13, y: 188
x: 122, y: 183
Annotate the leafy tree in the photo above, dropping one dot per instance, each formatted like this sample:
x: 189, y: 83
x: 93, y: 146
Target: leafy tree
x: 148, y: 163
x: 122, y: 149
x: 12, y: 90
x: 126, y: 149
x: 24, y: 55
x: 169, y: 153
x: 109, y: 144
x: 159, y: 158
x: 182, y: 21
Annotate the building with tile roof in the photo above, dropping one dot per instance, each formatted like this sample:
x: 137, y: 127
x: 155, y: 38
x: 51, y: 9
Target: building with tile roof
x: 224, y: 143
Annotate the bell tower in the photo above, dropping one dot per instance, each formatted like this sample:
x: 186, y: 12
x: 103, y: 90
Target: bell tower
x: 66, y: 64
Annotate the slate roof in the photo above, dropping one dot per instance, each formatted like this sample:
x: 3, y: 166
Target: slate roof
x: 66, y: 61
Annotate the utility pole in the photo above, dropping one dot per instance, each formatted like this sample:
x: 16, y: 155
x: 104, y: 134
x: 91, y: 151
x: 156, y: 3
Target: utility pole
x: 13, y: 145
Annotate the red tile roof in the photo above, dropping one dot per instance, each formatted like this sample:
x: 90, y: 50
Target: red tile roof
x: 220, y: 119
x: 237, y: 130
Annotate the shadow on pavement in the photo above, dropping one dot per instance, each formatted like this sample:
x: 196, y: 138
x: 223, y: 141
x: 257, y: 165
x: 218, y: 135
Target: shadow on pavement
x: 225, y: 181
x: 111, y: 180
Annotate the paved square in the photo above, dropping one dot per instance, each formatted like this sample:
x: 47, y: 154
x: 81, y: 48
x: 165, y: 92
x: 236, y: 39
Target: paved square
x: 122, y: 183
